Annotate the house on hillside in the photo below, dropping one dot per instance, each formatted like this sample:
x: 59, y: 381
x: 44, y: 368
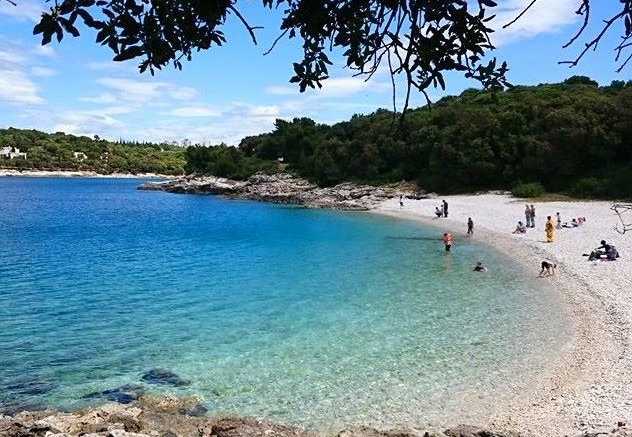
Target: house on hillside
x: 79, y: 156
x: 12, y: 152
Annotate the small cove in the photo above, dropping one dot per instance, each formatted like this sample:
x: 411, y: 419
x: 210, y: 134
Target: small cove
x: 318, y: 318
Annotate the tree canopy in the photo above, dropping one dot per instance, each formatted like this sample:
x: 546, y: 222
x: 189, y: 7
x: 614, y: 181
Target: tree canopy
x: 57, y: 152
x: 573, y: 137
x: 419, y: 39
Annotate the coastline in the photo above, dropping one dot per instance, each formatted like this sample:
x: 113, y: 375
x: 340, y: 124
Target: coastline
x: 586, y: 387
x: 79, y: 174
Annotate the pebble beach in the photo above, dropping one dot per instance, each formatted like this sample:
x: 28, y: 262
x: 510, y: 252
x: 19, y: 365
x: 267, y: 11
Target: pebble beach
x: 588, y: 387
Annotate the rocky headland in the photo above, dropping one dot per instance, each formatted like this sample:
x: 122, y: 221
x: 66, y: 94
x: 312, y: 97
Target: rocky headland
x: 169, y: 416
x: 282, y: 188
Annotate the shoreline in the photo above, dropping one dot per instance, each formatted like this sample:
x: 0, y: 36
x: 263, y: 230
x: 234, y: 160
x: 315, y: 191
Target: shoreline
x: 585, y: 388
x: 79, y: 174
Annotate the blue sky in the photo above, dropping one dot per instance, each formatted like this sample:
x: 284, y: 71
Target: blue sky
x: 229, y: 92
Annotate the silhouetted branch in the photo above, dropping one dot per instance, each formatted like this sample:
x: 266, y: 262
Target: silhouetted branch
x: 620, y: 209
x: 524, y: 11
x: 251, y: 29
x: 584, y: 10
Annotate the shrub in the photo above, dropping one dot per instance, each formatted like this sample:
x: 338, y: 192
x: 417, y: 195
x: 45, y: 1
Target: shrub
x: 532, y: 189
x: 590, y: 187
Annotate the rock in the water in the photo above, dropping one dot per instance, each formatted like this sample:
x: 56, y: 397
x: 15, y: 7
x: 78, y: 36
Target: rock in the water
x: 196, y: 411
x: 125, y: 394
x: 31, y: 387
x: 281, y: 188
x: 164, y: 377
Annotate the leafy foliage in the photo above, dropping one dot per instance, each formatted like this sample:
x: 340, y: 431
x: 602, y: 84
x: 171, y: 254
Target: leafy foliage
x: 553, y: 134
x: 532, y: 189
x: 419, y: 39
x: 55, y: 152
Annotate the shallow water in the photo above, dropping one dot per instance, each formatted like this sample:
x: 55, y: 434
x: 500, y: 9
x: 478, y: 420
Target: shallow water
x: 318, y: 318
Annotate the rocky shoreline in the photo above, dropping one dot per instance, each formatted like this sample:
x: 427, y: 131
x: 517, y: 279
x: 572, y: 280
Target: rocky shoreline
x: 168, y: 416
x: 282, y: 188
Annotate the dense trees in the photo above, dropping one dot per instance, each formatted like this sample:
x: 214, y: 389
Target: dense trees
x: 573, y: 136
x: 56, y: 152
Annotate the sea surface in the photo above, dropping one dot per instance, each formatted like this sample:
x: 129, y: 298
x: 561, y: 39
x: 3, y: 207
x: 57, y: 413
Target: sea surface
x: 314, y: 317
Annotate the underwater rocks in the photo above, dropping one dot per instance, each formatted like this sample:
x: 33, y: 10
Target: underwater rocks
x: 164, y: 377
x: 280, y: 188
x: 125, y: 394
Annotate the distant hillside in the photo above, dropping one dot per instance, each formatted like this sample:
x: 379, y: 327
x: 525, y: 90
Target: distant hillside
x: 573, y: 137
x: 68, y: 152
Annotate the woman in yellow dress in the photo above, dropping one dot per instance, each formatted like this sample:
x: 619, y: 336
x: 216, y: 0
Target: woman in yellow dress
x: 548, y: 228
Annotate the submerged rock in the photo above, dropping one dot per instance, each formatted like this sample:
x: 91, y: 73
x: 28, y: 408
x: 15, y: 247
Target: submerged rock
x: 164, y: 377
x: 123, y: 395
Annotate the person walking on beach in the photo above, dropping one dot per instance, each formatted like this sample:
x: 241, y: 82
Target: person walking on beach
x: 401, y: 201
x: 548, y: 269
x: 548, y: 229
x: 532, y: 216
x: 447, y: 240
x: 527, y: 215
x: 470, y: 226
x: 559, y: 220
x: 445, y: 209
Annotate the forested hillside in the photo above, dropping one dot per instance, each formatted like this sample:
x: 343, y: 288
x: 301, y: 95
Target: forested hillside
x: 57, y: 152
x: 573, y: 137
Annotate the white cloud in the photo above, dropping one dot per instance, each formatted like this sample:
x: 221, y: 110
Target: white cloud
x: 43, y: 72
x: 8, y: 56
x: 279, y: 90
x: 143, y: 92
x: 23, y: 11
x: 334, y: 87
x: 182, y: 93
x: 195, y: 111
x: 105, y: 98
x: 47, y: 51
x: 264, y: 111
x: 16, y: 88
x: 544, y: 17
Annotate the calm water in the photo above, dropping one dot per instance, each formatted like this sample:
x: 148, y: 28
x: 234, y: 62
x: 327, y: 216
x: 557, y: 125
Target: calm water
x: 314, y: 317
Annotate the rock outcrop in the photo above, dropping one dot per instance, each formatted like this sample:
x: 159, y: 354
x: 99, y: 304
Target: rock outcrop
x: 281, y: 188
x: 167, y: 416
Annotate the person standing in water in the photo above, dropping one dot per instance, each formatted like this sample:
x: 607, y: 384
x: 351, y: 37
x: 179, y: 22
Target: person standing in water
x: 548, y: 229
x: 447, y: 240
x: 470, y: 226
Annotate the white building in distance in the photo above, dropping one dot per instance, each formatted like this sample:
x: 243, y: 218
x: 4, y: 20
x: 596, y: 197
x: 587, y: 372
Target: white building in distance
x: 79, y: 156
x: 12, y: 152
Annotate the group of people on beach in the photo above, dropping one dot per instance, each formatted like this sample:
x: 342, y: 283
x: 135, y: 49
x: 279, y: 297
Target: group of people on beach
x: 442, y: 211
x: 549, y: 226
x: 604, y: 251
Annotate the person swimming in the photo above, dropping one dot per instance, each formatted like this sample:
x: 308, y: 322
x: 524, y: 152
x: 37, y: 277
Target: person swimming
x: 479, y: 267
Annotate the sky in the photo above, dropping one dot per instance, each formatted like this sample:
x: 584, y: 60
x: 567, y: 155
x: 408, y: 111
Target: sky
x: 233, y: 91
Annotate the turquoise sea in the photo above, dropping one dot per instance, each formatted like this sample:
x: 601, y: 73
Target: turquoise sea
x: 314, y: 317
